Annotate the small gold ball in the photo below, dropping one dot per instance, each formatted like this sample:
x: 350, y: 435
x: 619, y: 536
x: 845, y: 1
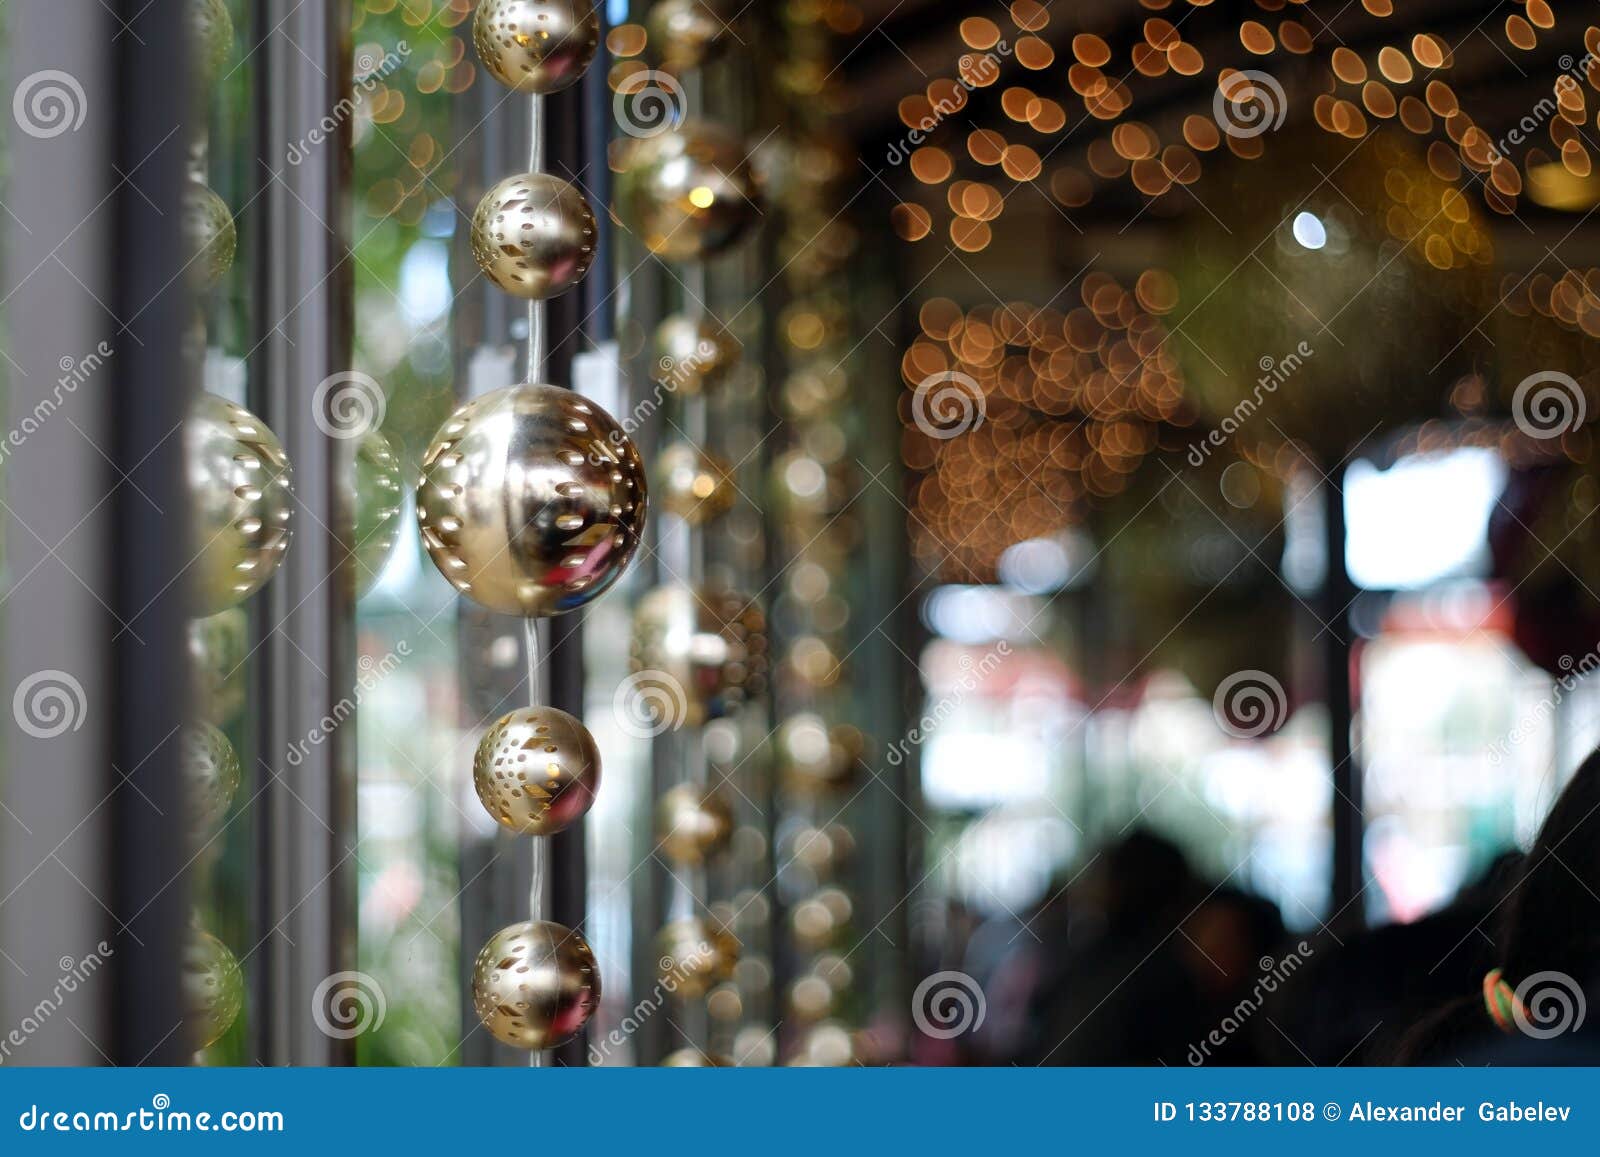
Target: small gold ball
x: 711, y: 644
x: 211, y: 777
x: 533, y: 235
x: 693, y: 823
x: 694, y: 484
x: 695, y: 955
x: 687, y: 194
x: 536, y: 771
x: 532, y: 500
x: 694, y: 356
x: 536, y: 46
x: 209, y: 236
x: 535, y: 984
x: 695, y: 1059
x: 685, y: 33
x: 213, y: 988
x: 241, y: 502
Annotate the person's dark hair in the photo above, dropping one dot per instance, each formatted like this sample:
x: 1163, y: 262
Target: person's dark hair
x: 1549, y: 923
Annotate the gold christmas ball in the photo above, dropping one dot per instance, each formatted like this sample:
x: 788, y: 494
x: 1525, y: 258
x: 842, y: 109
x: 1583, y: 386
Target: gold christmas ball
x: 815, y: 757
x: 687, y: 194
x: 210, y: 238
x: 694, y: 356
x: 533, y: 235
x: 536, y: 46
x: 710, y: 644
x: 536, y: 771
x: 218, y: 647
x: 685, y: 33
x: 535, y: 985
x: 211, y: 777
x: 532, y: 500
x: 695, y: 1059
x: 693, y: 823
x: 378, y: 499
x: 695, y: 485
x: 241, y: 502
x: 695, y: 956
x: 211, y: 41
x: 212, y: 986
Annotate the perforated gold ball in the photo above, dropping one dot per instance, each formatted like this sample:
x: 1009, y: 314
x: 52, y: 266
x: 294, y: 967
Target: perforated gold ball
x: 694, y: 356
x: 687, y: 194
x: 240, y: 500
x: 533, y: 235
x: 693, y: 823
x: 209, y: 235
x: 211, y: 777
x: 212, y: 988
x: 694, y: 484
x: 532, y: 500
x: 535, y: 984
x: 536, y: 770
x: 685, y: 33
x: 695, y: 955
x: 536, y: 46
x: 711, y: 642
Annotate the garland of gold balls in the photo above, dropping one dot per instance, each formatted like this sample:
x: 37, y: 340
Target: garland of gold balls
x: 532, y: 502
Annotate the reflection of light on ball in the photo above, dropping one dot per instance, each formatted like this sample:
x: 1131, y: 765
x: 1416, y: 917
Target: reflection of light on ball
x: 535, y: 984
x: 536, y: 46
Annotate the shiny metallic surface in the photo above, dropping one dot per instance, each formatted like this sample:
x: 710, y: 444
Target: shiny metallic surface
x: 210, y: 776
x: 694, y: 956
x: 536, y: 770
x: 536, y: 46
x: 693, y: 484
x: 685, y: 33
x: 210, y: 40
x: 209, y: 234
x: 693, y: 823
x: 532, y: 500
x: 378, y: 498
x: 533, y: 235
x: 213, y: 988
x: 713, y: 643
x: 241, y: 503
x: 687, y: 194
x: 694, y: 355
x: 535, y: 984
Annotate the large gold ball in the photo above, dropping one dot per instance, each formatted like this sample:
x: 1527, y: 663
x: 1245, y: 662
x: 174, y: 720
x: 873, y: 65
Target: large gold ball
x: 711, y: 643
x: 694, y: 485
x: 240, y: 501
x: 533, y: 235
x: 532, y: 500
x: 536, y: 770
x: 211, y: 777
x: 209, y: 236
x: 693, y: 823
x: 687, y: 194
x: 378, y: 499
x: 212, y: 986
x: 535, y: 984
x: 694, y: 356
x: 685, y: 33
x: 536, y: 46
x: 695, y: 955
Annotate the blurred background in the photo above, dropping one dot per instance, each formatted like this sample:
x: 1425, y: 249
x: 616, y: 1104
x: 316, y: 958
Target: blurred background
x: 1122, y: 544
